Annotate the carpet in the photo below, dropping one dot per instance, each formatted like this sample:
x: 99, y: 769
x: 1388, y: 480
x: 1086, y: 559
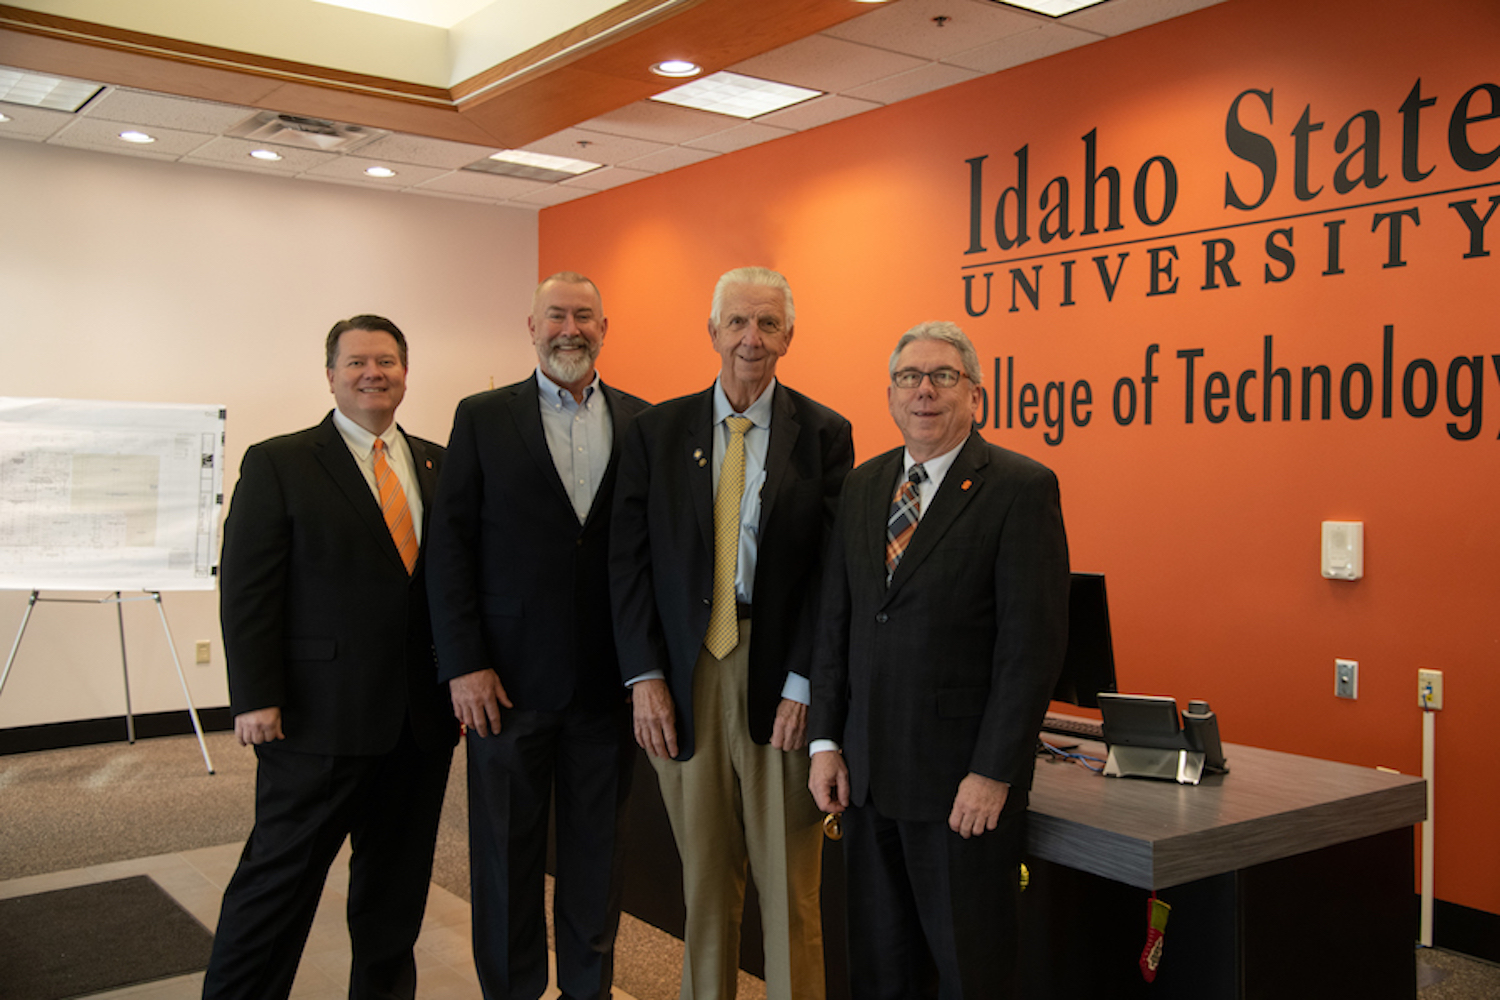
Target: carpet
x: 91, y: 938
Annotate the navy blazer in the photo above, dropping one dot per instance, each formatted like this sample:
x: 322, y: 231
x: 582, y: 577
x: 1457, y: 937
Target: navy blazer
x: 662, y: 553
x: 516, y: 583
x: 320, y: 617
x: 950, y: 668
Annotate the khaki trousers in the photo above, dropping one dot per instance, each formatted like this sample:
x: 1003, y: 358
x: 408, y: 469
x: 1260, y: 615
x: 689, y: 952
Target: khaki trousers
x: 736, y: 802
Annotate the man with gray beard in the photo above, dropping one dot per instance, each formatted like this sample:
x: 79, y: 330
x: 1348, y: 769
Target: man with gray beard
x: 519, y: 588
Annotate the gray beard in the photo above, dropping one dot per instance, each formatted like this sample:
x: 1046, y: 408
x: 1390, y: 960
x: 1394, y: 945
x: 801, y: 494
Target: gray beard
x: 564, y: 368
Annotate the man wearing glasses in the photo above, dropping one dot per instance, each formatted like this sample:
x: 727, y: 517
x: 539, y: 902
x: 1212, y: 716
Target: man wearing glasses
x: 944, y: 624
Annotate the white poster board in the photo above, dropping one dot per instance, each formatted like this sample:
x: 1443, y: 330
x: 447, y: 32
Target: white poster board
x: 109, y: 496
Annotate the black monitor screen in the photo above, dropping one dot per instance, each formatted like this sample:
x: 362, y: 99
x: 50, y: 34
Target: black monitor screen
x: 1089, y: 667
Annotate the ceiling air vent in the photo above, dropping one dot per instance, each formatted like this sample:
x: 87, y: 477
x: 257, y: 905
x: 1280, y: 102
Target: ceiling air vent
x: 306, y: 133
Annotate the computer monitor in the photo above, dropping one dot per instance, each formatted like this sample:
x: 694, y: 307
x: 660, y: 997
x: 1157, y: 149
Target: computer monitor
x: 1089, y: 666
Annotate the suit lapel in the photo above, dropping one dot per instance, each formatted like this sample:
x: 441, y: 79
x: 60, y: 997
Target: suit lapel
x: 698, y: 452
x: 525, y: 408
x: 334, y: 455
x: 962, y: 483
x: 784, y: 432
x: 874, y: 510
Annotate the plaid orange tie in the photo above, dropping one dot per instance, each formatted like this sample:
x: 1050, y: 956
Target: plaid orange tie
x: 394, y: 508
x: 906, y: 511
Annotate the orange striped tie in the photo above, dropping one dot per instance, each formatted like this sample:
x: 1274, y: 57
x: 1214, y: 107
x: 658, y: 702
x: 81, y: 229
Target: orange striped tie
x: 394, y: 508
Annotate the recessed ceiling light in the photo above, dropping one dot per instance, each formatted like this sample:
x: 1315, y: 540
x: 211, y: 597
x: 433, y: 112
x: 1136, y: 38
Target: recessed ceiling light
x: 1052, y: 8
x: 265, y: 154
x: 138, y: 137
x: 736, y: 95
x: 676, y: 68
x: 380, y: 171
x: 38, y: 91
x: 4, y: 117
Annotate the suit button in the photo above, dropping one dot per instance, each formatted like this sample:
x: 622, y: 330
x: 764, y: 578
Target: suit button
x: 882, y: 618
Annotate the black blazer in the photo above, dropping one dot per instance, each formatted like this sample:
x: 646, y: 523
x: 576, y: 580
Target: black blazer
x: 950, y: 669
x: 516, y: 583
x: 662, y: 554
x: 320, y: 617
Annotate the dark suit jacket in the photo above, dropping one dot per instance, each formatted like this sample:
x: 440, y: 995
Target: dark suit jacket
x: 950, y: 669
x: 517, y: 584
x: 320, y: 617
x: 662, y: 554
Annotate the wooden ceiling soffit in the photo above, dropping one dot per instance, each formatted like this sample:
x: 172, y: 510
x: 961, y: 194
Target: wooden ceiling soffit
x: 549, y: 89
x: 598, y: 67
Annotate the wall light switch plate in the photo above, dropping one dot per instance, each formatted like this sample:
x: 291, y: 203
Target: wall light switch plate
x: 1343, y: 550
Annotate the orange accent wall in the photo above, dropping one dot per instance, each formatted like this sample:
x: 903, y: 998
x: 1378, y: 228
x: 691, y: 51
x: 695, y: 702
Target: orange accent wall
x: 1208, y: 529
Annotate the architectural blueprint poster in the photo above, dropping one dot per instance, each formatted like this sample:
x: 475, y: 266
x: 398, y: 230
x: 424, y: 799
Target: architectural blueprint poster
x: 109, y: 496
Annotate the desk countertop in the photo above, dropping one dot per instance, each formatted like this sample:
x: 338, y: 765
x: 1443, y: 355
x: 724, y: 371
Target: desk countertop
x: 1156, y: 834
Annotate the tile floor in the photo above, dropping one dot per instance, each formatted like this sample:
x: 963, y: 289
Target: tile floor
x: 196, y: 879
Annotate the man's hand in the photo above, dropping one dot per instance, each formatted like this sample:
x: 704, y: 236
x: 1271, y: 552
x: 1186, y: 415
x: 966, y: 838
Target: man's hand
x: 260, y: 726
x: 829, y: 781
x: 790, y: 729
x: 655, y: 717
x: 477, y: 698
x: 976, y: 807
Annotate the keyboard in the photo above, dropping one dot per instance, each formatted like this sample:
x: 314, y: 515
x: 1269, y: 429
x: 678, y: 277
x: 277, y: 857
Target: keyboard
x: 1067, y: 725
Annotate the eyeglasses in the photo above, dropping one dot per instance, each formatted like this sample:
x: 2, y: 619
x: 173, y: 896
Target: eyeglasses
x: 942, y: 378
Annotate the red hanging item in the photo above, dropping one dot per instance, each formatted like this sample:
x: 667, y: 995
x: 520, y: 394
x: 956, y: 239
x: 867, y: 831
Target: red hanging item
x: 1156, y: 931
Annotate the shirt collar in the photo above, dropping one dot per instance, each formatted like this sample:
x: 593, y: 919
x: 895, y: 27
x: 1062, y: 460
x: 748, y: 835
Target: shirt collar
x: 553, y: 393
x: 936, y: 468
x: 361, y: 440
x: 759, y: 411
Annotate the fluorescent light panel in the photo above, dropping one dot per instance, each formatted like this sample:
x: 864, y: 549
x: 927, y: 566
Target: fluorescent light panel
x: 1052, y: 8
x: 532, y: 166
x: 736, y: 95
x: 39, y: 91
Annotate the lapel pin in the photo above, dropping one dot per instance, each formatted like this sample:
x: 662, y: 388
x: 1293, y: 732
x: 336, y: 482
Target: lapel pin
x: 429, y: 463
x: 698, y: 454
x: 966, y: 484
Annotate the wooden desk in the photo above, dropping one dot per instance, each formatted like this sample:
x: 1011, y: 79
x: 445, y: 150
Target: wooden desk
x: 1288, y: 877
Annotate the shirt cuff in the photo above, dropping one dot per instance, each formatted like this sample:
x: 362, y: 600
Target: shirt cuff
x: 797, y: 689
x: 650, y: 675
x: 821, y: 746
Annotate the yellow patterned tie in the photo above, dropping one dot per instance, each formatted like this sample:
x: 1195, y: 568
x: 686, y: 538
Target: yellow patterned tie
x: 394, y: 509
x: 723, y: 621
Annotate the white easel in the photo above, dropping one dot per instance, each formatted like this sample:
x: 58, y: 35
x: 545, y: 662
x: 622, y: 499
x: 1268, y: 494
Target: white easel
x: 118, y: 601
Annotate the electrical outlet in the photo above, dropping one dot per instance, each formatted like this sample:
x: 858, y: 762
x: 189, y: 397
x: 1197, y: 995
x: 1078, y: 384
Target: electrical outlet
x: 1346, y: 678
x: 1430, y: 689
x: 203, y: 652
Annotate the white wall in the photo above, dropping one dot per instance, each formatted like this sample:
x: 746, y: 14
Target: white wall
x: 129, y: 279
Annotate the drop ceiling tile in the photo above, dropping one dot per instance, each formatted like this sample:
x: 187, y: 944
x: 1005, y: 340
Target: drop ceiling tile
x: 1119, y: 17
x: 1038, y: 43
x: 595, y: 146
x: 924, y: 79
x: 825, y: 63
x: 603, y: 180
x: 398, y: 147
x: 658, y: 122
x: 910, y: 26
x: 234, y: 152
x: 352, y: 168
x: 147, y: 110
x: 669, y: 158
x: 477, y: 185
x: 818, y: 111
x: 96, y: 133
x: 554, y: 195
x: 741, y: 137
x: 32, y: 123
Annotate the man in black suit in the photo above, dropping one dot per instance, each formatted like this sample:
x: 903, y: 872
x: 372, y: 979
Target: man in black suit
x: 945, y: 624
x: 722, y: 514
x: 520, y: 601
x: 331, y: 679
